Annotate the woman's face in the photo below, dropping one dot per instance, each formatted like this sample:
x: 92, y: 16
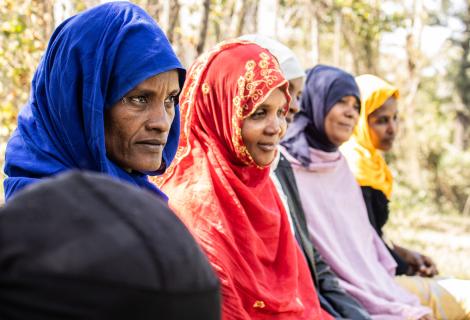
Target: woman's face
x: 137, y: 127
x: 383, y: 125
x: 295, y: 91
x: 341, y: 120
x: 262, y: 130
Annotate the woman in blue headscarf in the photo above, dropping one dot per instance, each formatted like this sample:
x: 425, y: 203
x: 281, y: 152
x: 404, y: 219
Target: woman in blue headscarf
x: 104, y: 98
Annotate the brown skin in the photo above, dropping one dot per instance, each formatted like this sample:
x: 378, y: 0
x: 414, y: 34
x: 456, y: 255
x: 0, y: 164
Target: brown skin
x: 383, y: 126
x: 137, y: 127
x: 341, y: 120
x: 263, y: 129
x: 419, y: 264
x: 295, y: 91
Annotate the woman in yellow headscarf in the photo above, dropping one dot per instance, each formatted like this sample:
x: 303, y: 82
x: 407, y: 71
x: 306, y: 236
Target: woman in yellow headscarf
x: 375, y: 133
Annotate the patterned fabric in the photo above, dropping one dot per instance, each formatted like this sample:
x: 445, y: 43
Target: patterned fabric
x: 227, y: 201
x: 93, y: 59
x: 366, y: 162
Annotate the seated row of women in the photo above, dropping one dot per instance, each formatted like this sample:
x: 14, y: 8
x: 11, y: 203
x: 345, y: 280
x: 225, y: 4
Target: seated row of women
x: 278, y: 212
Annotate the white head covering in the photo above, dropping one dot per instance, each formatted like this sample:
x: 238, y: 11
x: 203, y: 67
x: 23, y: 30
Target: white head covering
x: 290, y: 64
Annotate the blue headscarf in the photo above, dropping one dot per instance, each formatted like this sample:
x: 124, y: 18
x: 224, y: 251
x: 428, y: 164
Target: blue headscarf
x: 324, y: 87
x: 93, y: 59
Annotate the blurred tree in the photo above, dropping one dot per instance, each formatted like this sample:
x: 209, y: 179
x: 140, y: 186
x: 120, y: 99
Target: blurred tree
x: 462, y: 81
x: 364, y: 23
x: 204, y: 26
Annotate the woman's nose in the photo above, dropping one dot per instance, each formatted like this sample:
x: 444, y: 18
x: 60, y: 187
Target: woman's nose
x: 274, y: 125
x: 392, y: 127
x: 351, y: 112
x: 158, y: 118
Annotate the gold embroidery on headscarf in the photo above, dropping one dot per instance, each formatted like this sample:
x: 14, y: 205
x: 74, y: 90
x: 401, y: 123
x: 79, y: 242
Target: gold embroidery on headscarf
x: 249, y: 90
x: 205, y: 88
x: 259, y: 304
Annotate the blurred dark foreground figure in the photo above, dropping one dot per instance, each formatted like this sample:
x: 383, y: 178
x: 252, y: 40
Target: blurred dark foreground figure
x: 83, y: 246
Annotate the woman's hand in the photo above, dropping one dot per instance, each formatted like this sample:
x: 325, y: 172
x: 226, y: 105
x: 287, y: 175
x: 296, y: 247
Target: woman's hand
x: 419, y: 264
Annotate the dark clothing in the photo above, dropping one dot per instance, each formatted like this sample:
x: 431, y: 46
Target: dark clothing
x: 378, y: 211
x: 332, y: 297
x: 84, y: 246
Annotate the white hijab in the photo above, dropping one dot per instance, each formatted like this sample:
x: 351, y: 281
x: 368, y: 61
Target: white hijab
x: 288, y: 61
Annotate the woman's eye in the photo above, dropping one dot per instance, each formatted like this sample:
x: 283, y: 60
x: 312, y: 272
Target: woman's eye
x: 383, y: 120
x: 280, y: 112
x: 138, y: 100
x: 258, y: 114
x: 171, y: 101
x: 357, y: 108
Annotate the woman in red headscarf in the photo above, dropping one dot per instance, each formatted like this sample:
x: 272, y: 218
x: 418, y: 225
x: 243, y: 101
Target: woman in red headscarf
x: 233, y: 109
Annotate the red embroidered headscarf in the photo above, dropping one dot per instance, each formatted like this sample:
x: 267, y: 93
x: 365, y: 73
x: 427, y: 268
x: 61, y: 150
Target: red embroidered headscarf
x: 227, y: 201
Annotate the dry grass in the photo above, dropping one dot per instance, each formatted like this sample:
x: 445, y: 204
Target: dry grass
x: 444, y: 238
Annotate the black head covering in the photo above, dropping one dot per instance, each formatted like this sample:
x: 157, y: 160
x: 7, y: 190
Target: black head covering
x: 83, y: 246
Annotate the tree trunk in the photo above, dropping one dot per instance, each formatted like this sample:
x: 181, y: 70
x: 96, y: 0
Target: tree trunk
x: 353, y: 49
x: 174, y: 18
x: 410, y: 132
x: 462, y: 132
x: 314, y: 36
x: 337, y: 39
x: 204, y: 27
x: 165, y: 16
x: 254, y: 25
x: 240, y: 14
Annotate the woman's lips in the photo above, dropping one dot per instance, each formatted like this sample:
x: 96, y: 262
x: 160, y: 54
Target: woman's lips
x: 388, y: 140
x: 155, y: 145
x: 268, y: 147
x: 346, y: 125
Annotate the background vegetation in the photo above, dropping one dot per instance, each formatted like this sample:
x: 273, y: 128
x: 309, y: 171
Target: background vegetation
x: 421, y: 46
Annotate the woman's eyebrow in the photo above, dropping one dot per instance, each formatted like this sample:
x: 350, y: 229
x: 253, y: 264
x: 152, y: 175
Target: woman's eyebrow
x: 141, y: 91
x: 175, y: 91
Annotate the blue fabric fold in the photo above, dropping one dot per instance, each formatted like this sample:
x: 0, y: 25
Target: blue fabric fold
x: 93, y: 59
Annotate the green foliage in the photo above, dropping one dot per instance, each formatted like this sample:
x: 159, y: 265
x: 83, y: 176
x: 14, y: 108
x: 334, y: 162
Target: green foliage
x: 364, y: 24
x: 445, y: 178
x: 20, y: 50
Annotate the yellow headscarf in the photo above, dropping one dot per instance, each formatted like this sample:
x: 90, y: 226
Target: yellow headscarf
x: 366, y: 162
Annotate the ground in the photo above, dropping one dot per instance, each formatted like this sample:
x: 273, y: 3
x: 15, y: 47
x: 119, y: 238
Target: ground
x: 444, y: 238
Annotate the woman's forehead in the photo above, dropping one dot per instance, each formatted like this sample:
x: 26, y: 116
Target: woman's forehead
x: 389, y: 106
x: 166, y: 80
